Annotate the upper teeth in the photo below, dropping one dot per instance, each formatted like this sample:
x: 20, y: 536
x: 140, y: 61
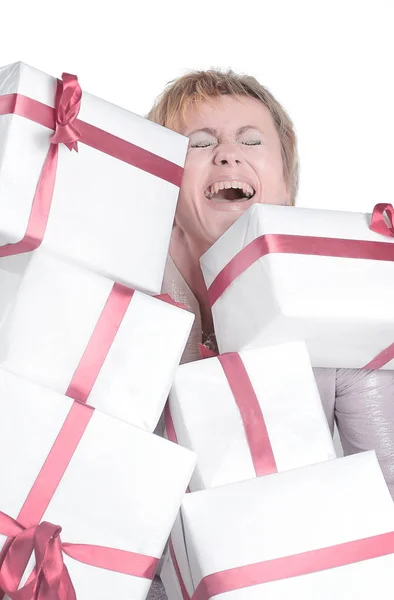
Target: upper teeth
x: 221, y: 185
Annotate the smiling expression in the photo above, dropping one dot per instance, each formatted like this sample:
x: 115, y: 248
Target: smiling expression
x: 234, y: 160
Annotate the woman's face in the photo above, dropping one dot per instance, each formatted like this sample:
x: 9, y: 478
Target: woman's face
x: 234, y: 160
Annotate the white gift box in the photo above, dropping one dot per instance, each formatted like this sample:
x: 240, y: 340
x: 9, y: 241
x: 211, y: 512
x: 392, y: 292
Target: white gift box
x: 54, y: 312
x: 208, y: 421
x: 11, y: 270
x: 342, y: 307
x: 110, y: 216
x: 287, y: 514
x: 175, y: 574
x: 108, y: 495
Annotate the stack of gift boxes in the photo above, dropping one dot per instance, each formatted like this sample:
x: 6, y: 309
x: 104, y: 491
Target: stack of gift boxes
x: 87, y: 355
x: 271, y: 512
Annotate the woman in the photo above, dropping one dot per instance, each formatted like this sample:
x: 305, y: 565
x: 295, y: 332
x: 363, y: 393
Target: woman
x: 243, y: 150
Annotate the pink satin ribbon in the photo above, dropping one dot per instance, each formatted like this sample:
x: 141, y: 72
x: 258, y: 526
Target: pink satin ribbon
x: 314, y: 246
x: 26, y: 533
x: 278, y: 243
x: 68, y: 129
x: 381, y: 359
x: 206, y: 352
x: 252, y: 418
x: 304, y: 563
x: 62, y: 120
x: 50, y: 578
x: 100, y: 342
x: 253, y: 422
x: 382, y: 220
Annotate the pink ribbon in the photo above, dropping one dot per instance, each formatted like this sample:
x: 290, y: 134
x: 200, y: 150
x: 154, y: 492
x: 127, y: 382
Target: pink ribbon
x: 68, y: 101
x: 68, y: 130
x: 100, y: 342
x: 50, y: 581
x: 67, y: 105
x: 206, y: 352
x: 253, y: 422
x: 380, y: 224
x: 314, y: 246
x: 304, y: 563
x: 252, y: 418
x: 277, y: 243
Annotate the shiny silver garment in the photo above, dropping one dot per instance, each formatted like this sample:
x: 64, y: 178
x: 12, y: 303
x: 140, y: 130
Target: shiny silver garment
x: 362, y: 404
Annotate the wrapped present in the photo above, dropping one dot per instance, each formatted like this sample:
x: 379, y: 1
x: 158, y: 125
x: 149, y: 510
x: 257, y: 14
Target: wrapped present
x: 249, y: 414
x: 11, y: 269
x: 110, y: 206
x: 80, y: 334
x: 282, y: 273
x: 324, y: 531
x: 81, y: 490
x: 175, y: 572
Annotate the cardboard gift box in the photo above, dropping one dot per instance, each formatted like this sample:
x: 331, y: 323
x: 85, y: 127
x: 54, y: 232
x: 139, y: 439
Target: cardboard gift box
x: 282, y: 273
x: 79, y: 334
x: 65, y: 464
x: 323, y: 531
x: 110, y: 206
x: 249, y: 414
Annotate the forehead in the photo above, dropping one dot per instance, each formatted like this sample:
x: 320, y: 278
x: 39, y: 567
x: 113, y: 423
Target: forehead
x: 227, y: 114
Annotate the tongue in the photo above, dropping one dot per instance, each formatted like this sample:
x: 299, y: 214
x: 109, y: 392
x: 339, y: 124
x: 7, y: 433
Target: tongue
x: 228, y: 194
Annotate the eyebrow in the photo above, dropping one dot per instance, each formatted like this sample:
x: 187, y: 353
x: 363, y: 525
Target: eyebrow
x: 214, y: 132
x: 208, y: 130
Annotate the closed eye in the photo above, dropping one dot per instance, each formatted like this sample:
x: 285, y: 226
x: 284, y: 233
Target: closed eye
x: 204, y: 144
x: 252, y: 143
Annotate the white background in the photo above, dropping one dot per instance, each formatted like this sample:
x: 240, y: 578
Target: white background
x: 329, y: 62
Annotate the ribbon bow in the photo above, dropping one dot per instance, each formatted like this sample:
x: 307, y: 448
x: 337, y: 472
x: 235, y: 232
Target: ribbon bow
x: 383, y: 219
x: 50, y: 579
x: 67, y: 105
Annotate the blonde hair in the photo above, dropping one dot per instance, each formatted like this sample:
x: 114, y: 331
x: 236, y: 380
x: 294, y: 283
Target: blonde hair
x: 180, y: 94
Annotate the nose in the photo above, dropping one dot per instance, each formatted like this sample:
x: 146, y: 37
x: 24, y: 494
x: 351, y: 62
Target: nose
x: 227, y: 154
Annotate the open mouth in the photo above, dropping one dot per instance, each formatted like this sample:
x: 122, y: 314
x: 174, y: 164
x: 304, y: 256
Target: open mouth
x: 229, y: 191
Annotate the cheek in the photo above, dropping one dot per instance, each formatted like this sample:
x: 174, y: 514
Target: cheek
x: 271, y: 178
x: 193, y: 176
x: 195, y: 167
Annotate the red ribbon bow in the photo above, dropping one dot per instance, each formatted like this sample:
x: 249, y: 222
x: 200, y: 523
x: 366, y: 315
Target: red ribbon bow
x: 67, y: 105
x: 50, y: 579
x: 383, y: 219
